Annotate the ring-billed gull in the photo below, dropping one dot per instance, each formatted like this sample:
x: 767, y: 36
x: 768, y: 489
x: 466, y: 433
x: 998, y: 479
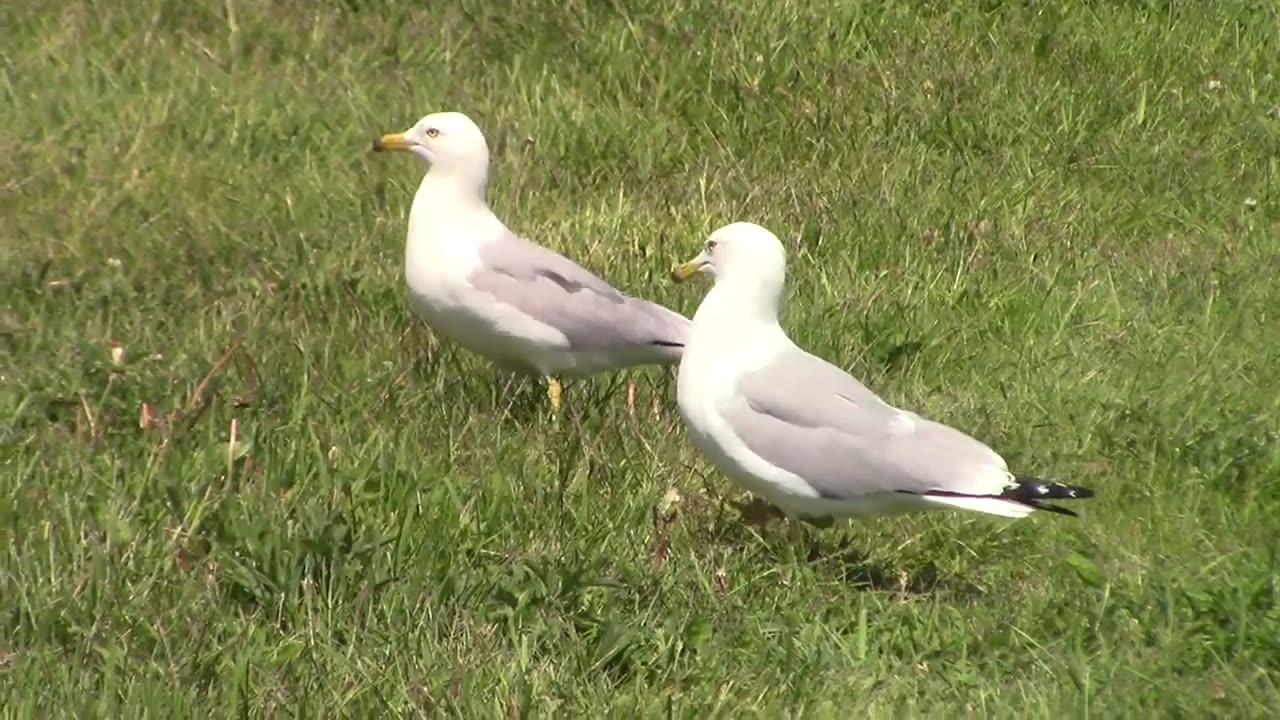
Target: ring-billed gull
x: 518, y: 304
x: 802, y: 433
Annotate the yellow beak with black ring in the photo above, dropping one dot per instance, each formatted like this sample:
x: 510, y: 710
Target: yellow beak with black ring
x: 681, y: 273
x: 392, y: 141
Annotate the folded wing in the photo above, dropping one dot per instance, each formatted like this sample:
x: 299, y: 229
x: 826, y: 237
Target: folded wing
x: 590, y: 313
x: 812, y: 419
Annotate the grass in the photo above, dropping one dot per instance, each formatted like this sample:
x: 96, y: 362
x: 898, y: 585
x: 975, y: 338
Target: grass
x: 1055, y: 225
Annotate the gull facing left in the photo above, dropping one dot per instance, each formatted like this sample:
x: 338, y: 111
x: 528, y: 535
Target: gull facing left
x: 522, y: 306
x: 804, y: 434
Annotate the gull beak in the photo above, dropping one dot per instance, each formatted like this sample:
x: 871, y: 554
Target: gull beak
x: 680, y: 273
x: 394, y: 141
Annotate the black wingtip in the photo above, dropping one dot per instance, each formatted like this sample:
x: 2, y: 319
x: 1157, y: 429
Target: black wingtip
x: 667, y: 343
x: 1030, y: 487
x: 1034, y: 492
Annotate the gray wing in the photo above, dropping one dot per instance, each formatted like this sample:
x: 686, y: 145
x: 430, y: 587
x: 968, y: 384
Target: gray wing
x: 563, y: 294
x: 812, y: 419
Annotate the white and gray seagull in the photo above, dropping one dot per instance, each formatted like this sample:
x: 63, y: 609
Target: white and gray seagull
x: 522, y: 306
x: 805, y: 435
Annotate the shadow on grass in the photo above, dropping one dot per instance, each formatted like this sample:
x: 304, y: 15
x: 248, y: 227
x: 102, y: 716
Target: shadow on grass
x: 861, y: 572
x: 758, y: 527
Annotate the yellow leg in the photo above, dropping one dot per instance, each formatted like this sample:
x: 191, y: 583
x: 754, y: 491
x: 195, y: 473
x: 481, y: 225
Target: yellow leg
x: 554, y: 391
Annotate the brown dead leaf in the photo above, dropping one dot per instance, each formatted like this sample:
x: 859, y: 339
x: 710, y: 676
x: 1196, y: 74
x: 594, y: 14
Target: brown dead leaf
x: 721, y: 581
x: 664, y: 514
x: 147, y: 419
x: 199, y: 400
x: 248, y: 368
x: 86, y: 424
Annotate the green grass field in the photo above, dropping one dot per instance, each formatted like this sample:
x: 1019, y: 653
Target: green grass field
x: 1055, y: 225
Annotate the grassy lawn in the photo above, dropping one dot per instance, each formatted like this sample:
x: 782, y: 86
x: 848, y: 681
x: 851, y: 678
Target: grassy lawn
x: 240, y: 477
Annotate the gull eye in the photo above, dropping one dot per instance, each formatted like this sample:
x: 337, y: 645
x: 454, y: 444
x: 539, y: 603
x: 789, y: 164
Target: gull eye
x: 432, y: 132
x: 711, y: 245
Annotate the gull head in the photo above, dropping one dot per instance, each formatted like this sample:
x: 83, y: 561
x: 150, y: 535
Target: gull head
x: 449, y: 142
x: 748, y: 265
x: 738, y: 253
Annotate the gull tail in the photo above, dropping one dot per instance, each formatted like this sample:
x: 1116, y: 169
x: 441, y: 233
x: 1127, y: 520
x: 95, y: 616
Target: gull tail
x: 1025, y: 496
x: 670, y: 331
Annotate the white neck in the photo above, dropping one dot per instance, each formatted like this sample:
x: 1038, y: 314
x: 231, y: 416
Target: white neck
x: 447, y: 188
x: 729, y: 308
x: 441, y: 197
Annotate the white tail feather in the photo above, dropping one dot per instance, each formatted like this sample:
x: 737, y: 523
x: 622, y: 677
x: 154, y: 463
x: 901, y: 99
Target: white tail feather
x: 989, y: 505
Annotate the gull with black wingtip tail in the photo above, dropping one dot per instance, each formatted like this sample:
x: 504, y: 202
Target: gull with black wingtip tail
x: 804, y: 434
